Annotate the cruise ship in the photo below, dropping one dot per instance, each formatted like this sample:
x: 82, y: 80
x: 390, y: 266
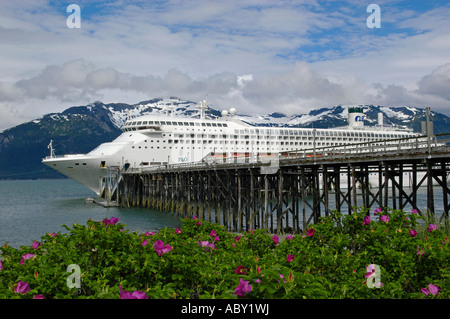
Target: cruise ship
x: 151, y: 140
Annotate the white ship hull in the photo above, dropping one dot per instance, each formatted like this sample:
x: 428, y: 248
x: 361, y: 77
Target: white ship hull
x: 159, y: 140
x: 82, y: 169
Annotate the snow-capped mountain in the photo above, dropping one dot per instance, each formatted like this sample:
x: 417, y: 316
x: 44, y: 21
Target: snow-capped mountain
x: 401, y: 117
x: 80, y: 129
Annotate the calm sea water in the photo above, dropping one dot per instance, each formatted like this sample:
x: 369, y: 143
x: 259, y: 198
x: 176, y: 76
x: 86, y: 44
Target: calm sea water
x: 31, y: 208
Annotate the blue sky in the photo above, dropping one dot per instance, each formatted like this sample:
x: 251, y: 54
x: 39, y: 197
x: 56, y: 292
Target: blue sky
x: 259, y: 56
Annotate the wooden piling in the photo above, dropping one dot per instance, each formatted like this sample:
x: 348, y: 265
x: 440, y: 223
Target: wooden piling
x: 242, y: 196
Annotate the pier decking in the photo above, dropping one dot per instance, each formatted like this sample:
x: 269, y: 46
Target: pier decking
x: 285, y: 192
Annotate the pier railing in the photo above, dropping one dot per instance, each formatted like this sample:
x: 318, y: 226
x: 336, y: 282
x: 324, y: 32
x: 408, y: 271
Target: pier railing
x: 421, y: 144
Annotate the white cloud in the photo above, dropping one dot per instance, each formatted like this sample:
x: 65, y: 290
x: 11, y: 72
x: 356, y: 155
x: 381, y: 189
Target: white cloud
x: 437, y: 83
x: 244, y: 54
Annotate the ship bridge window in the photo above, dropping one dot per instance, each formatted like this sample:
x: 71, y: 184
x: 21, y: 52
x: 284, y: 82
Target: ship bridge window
x: 208, y: 124
x: 163, y: 123
x: 186, y: 123
x: 214, y: 124
x: 203, y: 124
x: 144, y: 123
x: 191, y: 123
x: 219, y: 124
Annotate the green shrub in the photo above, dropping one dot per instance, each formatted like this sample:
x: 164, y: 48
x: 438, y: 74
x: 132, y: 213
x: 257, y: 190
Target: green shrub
x: 339, y: 257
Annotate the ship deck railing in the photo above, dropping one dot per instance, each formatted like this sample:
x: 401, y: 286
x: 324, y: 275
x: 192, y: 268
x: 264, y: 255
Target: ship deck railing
x: 421, y: 145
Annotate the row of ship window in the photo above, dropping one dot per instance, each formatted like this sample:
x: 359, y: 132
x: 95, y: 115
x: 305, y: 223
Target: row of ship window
x: 317, y: 133
x: 132, y: 126
x: 262, y: 143
x: 139, y: 123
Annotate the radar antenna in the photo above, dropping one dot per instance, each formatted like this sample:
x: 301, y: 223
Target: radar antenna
x: 203, y: 105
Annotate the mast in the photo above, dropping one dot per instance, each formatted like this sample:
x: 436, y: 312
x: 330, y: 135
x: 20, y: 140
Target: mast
x: 203, y: 105
x: 52, y: 151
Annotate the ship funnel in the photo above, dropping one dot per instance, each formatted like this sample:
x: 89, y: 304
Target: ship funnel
x: 356, y: 116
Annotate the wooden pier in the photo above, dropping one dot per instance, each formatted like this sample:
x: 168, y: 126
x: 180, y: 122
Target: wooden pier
x: 286, y: 192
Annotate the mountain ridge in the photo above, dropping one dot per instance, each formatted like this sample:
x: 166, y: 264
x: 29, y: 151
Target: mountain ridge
x: 79, y: 129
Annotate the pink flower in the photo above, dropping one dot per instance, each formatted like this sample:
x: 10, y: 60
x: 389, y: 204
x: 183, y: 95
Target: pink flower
x: 290, y: 258
x: 384, y: 218
x: 134, y: 295
x: 366, y: 220
x: 111, y: 221
x: 289, y: 237
x: 206, y: 244
x: 160, y: 248
x: 420, y: 252
x: 198, y: 223
x: 25, y: 257
x: 243, y: 288
x: 412, y: 232
x: 241, y: 270
x: 432, y: 289
x: 149, y: 233
x: 144, y: 242
x: 22, y: 287
x: 1, y: 265
x: 178, y: 230
x: 370, y: 271
x: 38, y: 297
x: 275, y: 239
x: 36, y: 244
x: 378, y: 210
x: 213, y: 233
x: 414, y: 211
x: 431, y: 227
x: 310, y: 232
x: 237, y: 238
